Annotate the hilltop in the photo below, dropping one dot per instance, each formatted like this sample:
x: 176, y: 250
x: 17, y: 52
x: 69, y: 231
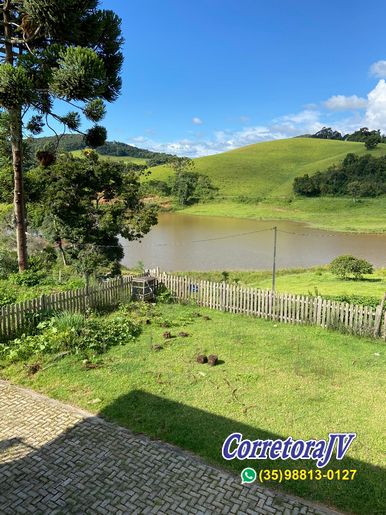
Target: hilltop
x: 267, y: 170
x: 117, y: 149
x: 256, y: 182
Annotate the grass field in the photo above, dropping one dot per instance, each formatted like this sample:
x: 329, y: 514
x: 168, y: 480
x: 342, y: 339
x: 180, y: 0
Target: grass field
x: 256, y: 182
x: 334, y: 214
x: 303, y: 281
x: 273, y: 381
x: 268, y: 169
x: 124, y: 159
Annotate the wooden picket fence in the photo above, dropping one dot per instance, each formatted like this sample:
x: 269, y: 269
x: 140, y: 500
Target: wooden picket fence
x: 21, y: 317
x: 282, y: 307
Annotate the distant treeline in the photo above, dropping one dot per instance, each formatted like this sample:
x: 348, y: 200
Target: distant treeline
x: 363, y: 135
x: 72, y: 142
x: 363, y: 176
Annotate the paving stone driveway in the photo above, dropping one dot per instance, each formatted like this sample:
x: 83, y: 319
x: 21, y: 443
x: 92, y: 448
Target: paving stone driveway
x: 58, y: 459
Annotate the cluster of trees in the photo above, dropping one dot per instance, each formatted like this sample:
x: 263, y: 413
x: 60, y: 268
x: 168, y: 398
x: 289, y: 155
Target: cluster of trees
x: 185, y: 185
x: 363, y: 135
x: 357, y: 176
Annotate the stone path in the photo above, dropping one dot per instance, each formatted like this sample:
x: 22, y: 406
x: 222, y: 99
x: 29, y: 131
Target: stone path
x: 58, y: 459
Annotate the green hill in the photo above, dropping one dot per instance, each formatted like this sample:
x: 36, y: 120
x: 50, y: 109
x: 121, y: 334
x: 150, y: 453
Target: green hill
x: 256, y: 182
x: 267, y: 170
x: 75, y: 142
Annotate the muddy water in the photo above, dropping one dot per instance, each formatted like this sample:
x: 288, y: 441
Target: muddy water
x: 183, y: 242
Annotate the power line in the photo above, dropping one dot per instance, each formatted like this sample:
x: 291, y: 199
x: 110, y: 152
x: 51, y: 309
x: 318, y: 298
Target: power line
x: 178, y: 244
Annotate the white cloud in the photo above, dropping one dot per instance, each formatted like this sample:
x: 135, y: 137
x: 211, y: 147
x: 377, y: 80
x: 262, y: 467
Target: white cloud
x: 225, y: 140
x: 308, y: 121
x: 378, y: 69
x: 376, y: 111
x: 197, y: 121
x: 343, y: 103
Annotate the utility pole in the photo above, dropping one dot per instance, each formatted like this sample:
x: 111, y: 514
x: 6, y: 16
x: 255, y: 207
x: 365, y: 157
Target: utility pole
x: 274, y: 258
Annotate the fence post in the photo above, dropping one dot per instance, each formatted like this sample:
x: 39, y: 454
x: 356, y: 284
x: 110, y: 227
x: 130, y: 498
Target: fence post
x: 378, y: 316
x: 43, y: 302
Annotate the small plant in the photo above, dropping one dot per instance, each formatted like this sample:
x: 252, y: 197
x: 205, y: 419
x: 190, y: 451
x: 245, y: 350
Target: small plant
x: 225, y: 276
x: 165, y: 296
x: 67, y: 321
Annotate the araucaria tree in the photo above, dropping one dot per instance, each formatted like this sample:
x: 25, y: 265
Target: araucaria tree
x: 67, y: 50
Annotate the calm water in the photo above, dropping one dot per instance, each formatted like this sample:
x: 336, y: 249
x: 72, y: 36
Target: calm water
x: 176, y: 243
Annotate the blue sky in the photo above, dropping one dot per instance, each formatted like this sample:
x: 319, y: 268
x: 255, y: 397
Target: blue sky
x: 205, y: 76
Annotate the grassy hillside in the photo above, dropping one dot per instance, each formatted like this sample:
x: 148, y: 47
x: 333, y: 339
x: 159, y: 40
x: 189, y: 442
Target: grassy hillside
x: 268, y: 169
x: 256, y: 182
x: 124, y: 159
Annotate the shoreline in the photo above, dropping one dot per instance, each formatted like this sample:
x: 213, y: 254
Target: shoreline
x: 366, y: 222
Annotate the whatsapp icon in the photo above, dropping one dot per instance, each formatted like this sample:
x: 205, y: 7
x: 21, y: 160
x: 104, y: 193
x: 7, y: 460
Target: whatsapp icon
x: 248, y: 475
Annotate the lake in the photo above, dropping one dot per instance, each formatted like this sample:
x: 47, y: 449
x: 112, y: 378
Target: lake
x: 184, y: 242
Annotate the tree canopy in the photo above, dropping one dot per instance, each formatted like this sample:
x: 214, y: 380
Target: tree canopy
x: 363, y: 176
x: 84, y: 205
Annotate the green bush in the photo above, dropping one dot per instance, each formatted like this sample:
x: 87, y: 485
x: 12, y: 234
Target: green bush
x: 28, y: 278
x: 362, y: 300
x: 8, y: 263
x: 6, y: 297
x: 74, y: 334
x: 348, y: 266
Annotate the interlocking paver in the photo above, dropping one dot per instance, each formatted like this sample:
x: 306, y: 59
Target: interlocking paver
x: 57, y: 459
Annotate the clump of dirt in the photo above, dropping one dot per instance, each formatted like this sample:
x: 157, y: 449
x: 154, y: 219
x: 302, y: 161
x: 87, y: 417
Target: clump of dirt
x: 212, y: 360
x: 167, y: 335
x: 206, y: 317
x: 183, y: 334
x: 201, y: 358
x: 156, y: 348
x: 33, y: 368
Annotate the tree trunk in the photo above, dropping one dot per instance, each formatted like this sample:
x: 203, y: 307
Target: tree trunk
x: 63, y: 254
x: 17, y: 161
x: 17, y: 149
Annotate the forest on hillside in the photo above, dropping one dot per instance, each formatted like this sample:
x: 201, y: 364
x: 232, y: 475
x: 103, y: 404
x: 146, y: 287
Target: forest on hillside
x: 357, y: 176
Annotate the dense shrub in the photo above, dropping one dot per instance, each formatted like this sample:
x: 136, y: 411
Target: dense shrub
x: 73, y: 334
x: 8, y: 263
x: 6, y: 296
x: 350, y: 266
x: 28, y: 278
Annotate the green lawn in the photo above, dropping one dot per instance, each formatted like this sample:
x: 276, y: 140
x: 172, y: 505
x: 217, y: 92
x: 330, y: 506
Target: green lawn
x: 317, y: 280
x: 274, y: 380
